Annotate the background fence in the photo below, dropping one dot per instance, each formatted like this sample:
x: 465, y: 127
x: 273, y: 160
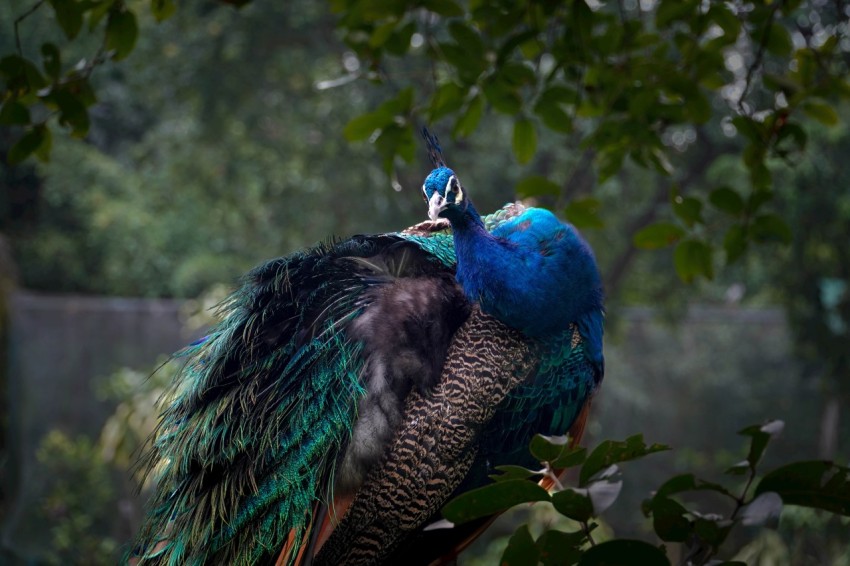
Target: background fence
x: 59, y: 348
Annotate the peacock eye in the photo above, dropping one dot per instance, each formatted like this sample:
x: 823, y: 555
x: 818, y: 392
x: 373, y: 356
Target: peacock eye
x: 451, y: 186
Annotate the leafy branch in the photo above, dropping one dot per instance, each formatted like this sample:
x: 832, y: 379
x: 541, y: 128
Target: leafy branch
x: 816, y: 484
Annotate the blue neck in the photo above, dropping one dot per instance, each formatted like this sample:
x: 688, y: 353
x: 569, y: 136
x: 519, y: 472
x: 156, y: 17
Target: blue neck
x: 537, y: 280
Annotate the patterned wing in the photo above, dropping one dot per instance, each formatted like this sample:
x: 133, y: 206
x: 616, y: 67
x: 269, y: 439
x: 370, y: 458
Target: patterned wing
x: 434, y: 448
x: 292, y: 398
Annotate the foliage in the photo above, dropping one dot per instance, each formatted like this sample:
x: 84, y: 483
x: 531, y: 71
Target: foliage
x: 81, y: 502
x: 813, y: 484
x: 817, y: 291
x: 643, y: 81
x: 215, y: 134
x: 89, y: 493
x: 629, y: 80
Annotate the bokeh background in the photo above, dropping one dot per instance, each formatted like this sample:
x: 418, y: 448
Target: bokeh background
x: 218, y: 144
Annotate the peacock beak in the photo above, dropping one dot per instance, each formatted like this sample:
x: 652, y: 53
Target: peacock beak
x: 436, y: 205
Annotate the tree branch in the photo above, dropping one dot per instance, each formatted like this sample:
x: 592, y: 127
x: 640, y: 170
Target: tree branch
x: 20, y: 19
x: 759, y: 56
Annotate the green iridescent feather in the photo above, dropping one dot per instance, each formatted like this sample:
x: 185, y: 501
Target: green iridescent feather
x: 254, y: 426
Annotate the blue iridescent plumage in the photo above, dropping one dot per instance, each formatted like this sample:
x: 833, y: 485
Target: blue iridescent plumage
x: 319, y: 394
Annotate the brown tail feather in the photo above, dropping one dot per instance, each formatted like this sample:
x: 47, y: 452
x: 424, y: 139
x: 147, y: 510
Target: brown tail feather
x: 317, y: 533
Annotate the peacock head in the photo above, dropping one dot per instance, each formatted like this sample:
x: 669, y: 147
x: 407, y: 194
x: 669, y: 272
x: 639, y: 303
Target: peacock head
x: 444, y: 194
x: 442, y: 189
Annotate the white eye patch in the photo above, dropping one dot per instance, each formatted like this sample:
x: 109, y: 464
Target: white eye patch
x: 453, y: 186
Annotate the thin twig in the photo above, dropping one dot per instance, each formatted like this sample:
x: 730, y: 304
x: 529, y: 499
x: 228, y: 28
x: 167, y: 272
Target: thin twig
x: 739, y: 502
x: 21, y: 18
x: 759, y: 55
x: 585, y: 527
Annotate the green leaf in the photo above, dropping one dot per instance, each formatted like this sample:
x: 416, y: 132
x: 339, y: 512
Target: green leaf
x: 816, y: 484
x: 526, y: 40
x: 739, y: 469
x: 692, y: 259
x: 749, y: 128
x: 734, y: 243
x: 757, y: 199
x: 121, y: 33
x: 658, y: 157
x: 383, y: 116
x: 513, y: 473
x: 163, y: 9
x: 395, y: 140
x: 760, y: 435
x: 73, y: 112
x: 517, y: 74
x: 791, y: 138
x: 548, y: 448
x: 569, y: 458
x: 712, y: 529
x: 42, y: 152
x: 468, y: 68
x: 609, y: 161
x: 51, y: 60
x: 783, y: 83
x: 771, y: 228
x: 13, y: 113
x: 361, y: 127
x: 760, y: 176
x: 537, y: 186
x: 670, y: 11
x: 728, y: 22
x: 779, y: 40
x: 668, y: 519
x: 554, y: 117
x: 29, y: 143
x: 81, y: 88
x: 688, y: 209
x: 613, y: 452
x: 698, y: 107
x: 98, y: 12
x: 493, y: 498
x: 467, y: 38
x: 689, y: 482
x: 21, y: 74
x: 558, y: 548
x: 503, y: 97
x: 624, y: 552
x: 447, y: 8
x: 525, y: 140
x: 468, y: 121
x: 584, y: 213
x: 821, y: 111
x: 728, y: 200
x: 399, y: 42
x: 573, y: 503
x: 658, y: 235
x: 521, y: 550
x: 382, y: 33
x: 557, y: 451
x: 447, y: 99
x: 69, y: 16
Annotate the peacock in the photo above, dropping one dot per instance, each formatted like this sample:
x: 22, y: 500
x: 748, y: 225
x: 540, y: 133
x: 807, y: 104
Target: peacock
x: 350, y: 390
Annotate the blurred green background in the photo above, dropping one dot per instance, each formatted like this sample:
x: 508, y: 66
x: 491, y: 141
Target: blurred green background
x: 219, y: 144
